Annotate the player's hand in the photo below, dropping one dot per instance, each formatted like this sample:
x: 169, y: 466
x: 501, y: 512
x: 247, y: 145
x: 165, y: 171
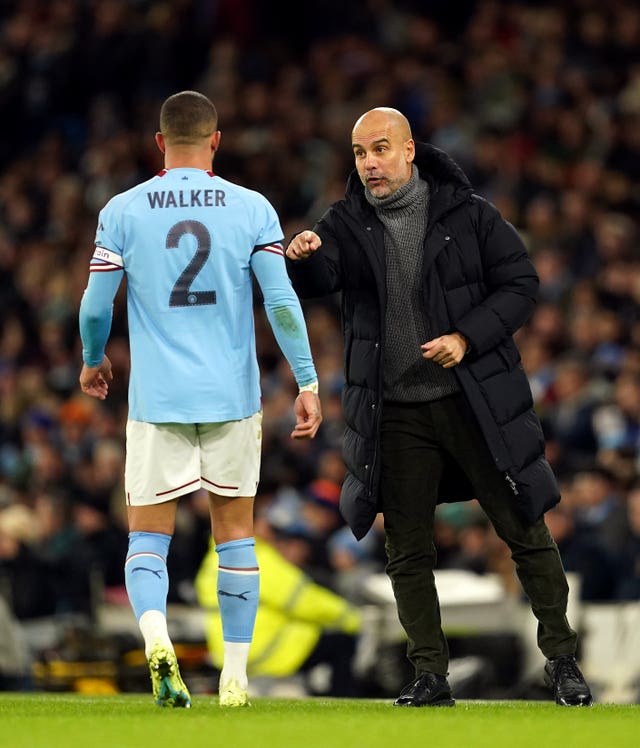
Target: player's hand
x: 94, y: 380
x: 308, y: 416
x: 303, y: 245
x: 447, y: 350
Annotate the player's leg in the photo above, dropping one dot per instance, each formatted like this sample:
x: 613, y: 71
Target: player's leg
x: 147, y: 586
x: 238, y: 591
x: 162, y: 461
x: 230, y: 469
x: 146, y: 577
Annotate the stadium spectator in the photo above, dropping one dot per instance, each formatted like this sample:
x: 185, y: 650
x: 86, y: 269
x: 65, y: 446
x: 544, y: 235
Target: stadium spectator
x: 600, y: 508
x: 569, y: 423
x: 628, y: 582
x: 582, y: 554
x: 352, y: 561
x: 617, y: 429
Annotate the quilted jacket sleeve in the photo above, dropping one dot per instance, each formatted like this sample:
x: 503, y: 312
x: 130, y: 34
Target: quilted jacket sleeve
x: 509, y: 277
x: 320, y: 274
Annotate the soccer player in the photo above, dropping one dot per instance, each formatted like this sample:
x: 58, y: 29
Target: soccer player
x: 187, y: 242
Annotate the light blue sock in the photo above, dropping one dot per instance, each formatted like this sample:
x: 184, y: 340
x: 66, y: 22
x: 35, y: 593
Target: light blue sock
x: 238, y: 588
x: 145, y: 572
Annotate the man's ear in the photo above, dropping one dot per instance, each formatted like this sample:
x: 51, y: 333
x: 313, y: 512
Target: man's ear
x: 160, y: 142
x: 215, y: 141
x: 410, y: 150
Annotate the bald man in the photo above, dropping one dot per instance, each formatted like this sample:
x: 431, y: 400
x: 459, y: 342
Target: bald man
x: 434, y: 283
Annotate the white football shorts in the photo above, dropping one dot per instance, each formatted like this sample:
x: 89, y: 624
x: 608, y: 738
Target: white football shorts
x: 167, y: 460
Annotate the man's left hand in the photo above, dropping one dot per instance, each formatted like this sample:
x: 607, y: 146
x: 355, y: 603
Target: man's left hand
x: 447, y: 350
x: 308, y: 416
x: 94, y: 380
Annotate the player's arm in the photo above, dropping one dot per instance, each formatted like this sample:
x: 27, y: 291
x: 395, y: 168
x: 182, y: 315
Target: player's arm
x: 287, y: 322
x: 313, y: 261
x: 96, y: 312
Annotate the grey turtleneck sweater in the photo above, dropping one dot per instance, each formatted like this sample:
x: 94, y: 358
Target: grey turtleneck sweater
x: 407, y: 376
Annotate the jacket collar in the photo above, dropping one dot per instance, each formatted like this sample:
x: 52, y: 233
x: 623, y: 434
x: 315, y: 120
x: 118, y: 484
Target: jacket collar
x: 448, y: 182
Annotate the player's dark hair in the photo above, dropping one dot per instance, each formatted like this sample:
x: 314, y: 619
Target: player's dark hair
x: 187, y: 117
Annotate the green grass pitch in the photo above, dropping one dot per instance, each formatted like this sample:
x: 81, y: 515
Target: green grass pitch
x: 45, y: 720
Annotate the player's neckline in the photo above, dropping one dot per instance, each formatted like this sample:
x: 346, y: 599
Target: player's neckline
x: 162, y: 172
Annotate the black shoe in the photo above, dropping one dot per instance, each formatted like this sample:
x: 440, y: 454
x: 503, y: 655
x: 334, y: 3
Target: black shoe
x: 569, y: 687
x: 428, y: 689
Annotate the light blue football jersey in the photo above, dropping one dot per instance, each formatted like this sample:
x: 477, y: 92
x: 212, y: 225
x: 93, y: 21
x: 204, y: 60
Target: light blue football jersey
x: 187, y: 241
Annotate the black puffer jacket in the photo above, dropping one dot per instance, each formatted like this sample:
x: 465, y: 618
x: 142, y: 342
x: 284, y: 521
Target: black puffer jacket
x: 479, y: 280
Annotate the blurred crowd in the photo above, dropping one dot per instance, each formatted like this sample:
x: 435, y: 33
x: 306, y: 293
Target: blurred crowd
x: 539, y: 102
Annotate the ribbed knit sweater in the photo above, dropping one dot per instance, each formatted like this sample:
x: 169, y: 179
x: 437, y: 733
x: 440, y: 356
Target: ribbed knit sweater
x: 408, y: 377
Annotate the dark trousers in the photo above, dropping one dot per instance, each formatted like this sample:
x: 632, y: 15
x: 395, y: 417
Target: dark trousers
x: 415, y: 438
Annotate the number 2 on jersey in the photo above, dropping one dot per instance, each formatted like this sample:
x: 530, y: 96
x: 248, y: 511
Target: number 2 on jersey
x: 181, y: 293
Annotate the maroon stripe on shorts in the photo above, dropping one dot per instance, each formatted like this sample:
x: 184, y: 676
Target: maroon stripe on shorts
x: 217, y: 485
x: 177, y: 488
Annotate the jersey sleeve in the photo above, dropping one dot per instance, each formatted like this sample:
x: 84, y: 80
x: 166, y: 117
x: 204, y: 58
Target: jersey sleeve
x: 283, y: 311
x: 109, y: 242
x: 96, y: 309
x: 106, y: 270
x: 270, y: 236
